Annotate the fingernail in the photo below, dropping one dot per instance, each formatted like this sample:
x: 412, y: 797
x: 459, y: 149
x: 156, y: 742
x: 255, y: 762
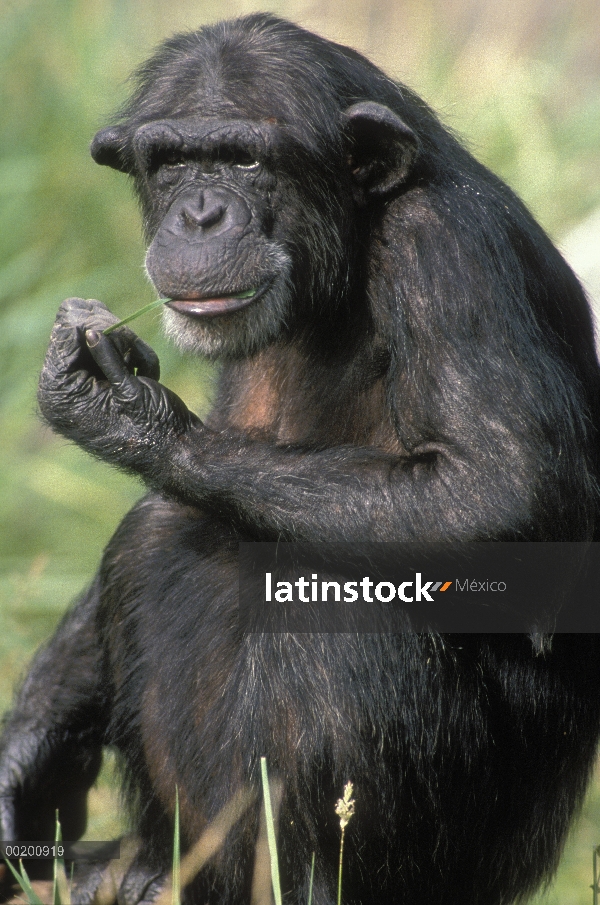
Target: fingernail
x: 92, y: 337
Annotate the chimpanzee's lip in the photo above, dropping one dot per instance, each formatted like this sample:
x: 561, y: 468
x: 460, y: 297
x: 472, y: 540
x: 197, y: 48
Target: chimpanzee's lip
x: 213, y: 306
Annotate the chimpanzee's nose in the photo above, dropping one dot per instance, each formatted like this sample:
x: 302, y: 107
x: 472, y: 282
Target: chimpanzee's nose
x: 206, y: 212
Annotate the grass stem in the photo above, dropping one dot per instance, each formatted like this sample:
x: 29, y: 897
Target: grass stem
x: 176, y: 885
x: 131, y: 317
x: 271, y: 832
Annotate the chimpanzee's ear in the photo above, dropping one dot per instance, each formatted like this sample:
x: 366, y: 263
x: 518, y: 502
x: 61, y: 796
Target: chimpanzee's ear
x: 382, y: 147
x: 110, y: 148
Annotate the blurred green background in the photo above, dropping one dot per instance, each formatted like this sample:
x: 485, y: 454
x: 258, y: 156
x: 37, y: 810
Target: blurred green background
x: 520, y: 81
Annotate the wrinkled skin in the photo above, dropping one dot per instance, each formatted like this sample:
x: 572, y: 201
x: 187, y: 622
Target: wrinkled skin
x: 404, y: 356
x: 123, y: 417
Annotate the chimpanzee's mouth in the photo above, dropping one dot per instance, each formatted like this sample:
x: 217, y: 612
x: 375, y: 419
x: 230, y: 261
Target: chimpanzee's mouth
x: 212, y: 306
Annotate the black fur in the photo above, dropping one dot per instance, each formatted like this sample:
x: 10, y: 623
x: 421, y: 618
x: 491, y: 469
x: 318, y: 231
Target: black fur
x: 417, y: 363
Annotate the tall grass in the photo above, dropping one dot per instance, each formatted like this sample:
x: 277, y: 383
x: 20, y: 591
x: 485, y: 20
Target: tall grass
x: 61, y: 889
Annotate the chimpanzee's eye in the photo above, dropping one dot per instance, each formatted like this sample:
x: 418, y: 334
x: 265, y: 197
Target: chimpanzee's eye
x: 234, y: 157
x: 245, y: 160
x: 166, y: 159
x: 173, y: 159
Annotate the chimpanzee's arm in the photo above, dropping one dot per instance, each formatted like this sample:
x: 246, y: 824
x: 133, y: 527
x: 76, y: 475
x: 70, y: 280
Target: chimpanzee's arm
x: 470, y: 478
x: 50, y: 749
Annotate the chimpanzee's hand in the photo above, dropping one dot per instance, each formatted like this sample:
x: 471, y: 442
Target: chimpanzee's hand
x: 102, y: 391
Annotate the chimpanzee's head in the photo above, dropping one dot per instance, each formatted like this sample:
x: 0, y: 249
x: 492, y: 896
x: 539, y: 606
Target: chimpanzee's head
x: 255, y: 153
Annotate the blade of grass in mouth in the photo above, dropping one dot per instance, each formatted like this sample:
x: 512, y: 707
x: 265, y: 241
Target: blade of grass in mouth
x: 138, y: 313
x: 152, y: 305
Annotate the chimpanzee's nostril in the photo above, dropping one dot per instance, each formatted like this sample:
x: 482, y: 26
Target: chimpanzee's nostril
x: 204, y: 215
x: 211, y: 215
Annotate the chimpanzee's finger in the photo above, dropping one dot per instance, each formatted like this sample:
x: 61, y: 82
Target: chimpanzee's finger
x: 143, y: 357
x: 135, y: 351
x: 64, y: 353
x: 91, y: 314
x: 110, y: 361
x: 76, y: 312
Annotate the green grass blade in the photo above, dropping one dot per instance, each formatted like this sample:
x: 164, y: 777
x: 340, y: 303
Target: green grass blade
x: 28, y: 889
x: 60, y: 887
x: 271, y: 832
x: 341, y: 862
x: 55, y: 889
x: 23, y: 881
x: 156, y: 304
x: 25, y: 884
x: 176, y: 888
x: 312, y: 877
x: 14, y: 872
x: 131, y: 317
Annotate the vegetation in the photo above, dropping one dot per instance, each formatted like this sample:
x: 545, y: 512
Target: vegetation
x: 519, y: 81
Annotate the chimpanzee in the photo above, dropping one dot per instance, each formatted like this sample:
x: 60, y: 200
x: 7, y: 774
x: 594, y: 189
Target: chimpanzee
x: 404, y: 356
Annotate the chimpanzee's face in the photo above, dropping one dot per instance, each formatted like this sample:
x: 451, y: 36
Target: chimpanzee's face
x: 211, y: 198
x: 252, y: 223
